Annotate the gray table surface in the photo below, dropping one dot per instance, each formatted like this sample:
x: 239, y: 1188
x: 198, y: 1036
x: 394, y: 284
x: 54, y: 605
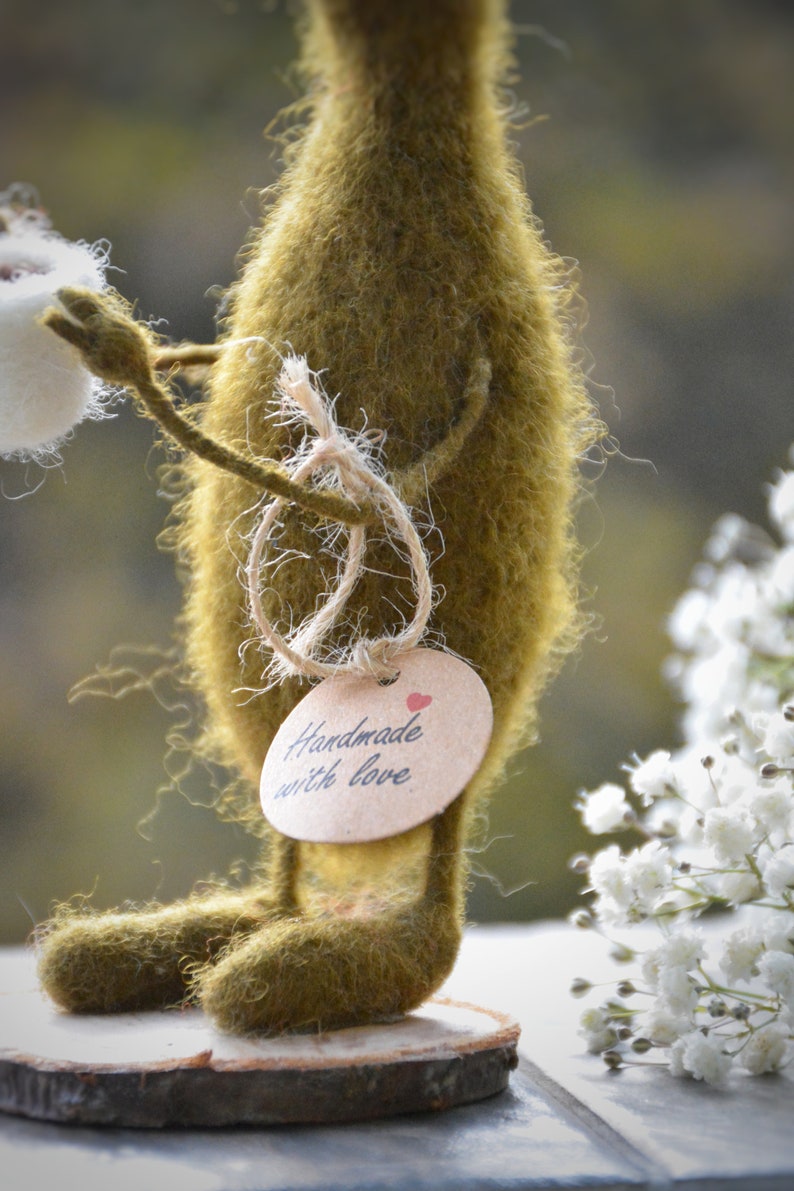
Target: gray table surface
x: 564, y: 1123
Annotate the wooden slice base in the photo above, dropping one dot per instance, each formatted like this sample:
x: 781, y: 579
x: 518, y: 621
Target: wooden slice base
x: 173, y: 1068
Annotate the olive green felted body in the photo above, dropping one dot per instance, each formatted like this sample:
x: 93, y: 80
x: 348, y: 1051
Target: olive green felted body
x: 400, y: 252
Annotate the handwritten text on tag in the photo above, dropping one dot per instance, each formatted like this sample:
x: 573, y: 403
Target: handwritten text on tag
x: 357, y: 760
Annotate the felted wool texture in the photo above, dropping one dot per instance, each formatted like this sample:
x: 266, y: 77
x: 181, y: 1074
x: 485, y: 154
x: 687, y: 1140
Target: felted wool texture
x: 327, y: 971
x: 133, y: 960
x: 45, y: 389
x: 400, y: 249
x: 399, y: 253
x: 309, y: 974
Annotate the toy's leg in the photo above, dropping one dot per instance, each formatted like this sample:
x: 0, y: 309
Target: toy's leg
x: 120, y: 961
x: 326, y: 972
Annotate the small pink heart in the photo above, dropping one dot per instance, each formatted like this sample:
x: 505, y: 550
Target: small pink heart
x: 416, y: 702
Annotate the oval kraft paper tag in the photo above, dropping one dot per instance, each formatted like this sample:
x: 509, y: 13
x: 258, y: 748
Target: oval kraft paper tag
x: 357, y: 760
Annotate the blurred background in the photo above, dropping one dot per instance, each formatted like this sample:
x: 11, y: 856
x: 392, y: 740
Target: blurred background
x: 656, y: 139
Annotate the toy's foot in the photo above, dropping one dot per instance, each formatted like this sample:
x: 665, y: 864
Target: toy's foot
x: 117, y: 962
x: 324, y: 973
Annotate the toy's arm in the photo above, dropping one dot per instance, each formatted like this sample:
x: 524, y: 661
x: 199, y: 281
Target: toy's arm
x: 118, y: 350
x: 412, y: 482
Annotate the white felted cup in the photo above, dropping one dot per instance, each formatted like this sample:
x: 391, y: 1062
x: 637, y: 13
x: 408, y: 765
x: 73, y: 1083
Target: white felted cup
x: 44, y: 388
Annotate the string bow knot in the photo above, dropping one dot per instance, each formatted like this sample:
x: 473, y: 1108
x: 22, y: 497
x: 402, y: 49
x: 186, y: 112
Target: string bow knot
x: 349, y: 460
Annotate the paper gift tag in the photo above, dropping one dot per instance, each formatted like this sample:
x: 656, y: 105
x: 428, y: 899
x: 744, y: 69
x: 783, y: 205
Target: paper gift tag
x: 357, y: 760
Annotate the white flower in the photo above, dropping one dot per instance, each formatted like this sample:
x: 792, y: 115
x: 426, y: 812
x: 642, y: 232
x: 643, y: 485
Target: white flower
x: 604, y: 809
x: 596, y: 1030
x: 663, y: 1027
x: 729, y: 535
x: 690, y: 827
x: 778, y: 931
x: 779, y: 738
x: 781, y: 504
x: 665, y: 969
x: 779, y: 579
x: 650, y: 873
x: 684, y: 950
x: 44, y: 388
x: 734, y: 779
x: 677, y: 991
x: 607, y: 874
x: 722, y: 833
x: 734, y: 601
x: 737, y: 888
x: 777, y: 972
x: 741, y: 951
x: 689, y: 620
x: 771, y: 806
x: 654, y: 777
x: 702, y: 1057
x: 778, y: 872
x: 729, y: 831
x: 630, y: 886
x: 766, y: 1049
x: 712, y: 686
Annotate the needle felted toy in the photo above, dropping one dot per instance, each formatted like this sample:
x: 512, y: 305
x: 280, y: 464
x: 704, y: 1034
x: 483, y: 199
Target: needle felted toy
x: 401, y: 261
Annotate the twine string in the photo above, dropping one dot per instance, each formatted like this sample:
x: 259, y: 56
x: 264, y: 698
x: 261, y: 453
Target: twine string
x: 298, y: 653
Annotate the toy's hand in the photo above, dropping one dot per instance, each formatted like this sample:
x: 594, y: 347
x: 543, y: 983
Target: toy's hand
x: 119, y: 350
x: 113, y: 346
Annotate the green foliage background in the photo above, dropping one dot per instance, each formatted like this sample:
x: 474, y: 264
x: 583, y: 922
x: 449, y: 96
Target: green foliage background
x: 656, y: 139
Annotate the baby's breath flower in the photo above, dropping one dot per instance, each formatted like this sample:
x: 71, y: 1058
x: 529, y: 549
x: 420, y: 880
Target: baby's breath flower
x: 682, y: 950
x: 650, y: 873
x: 772, y: 806
x: 597, y: 1030
x: 779, y: 739
x: 737, y: 887
x: 777, y: 972
x: 604, y: 809
x: 702, y: 1056
x: 666, y: 969
x: 781, y: 504
x: 729, y: 831
x: 663, y: 1027
x: 778, y: 872
x: 690, y: 827
x: 610, y: 882
x: 780, y: 583
x: 689, y: 619
x: 741, y: 951
x: 766, y: 1050
x: 778, y: 931
x: 653, y: 778
x: 719, y: 812
x: 678, y: 991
